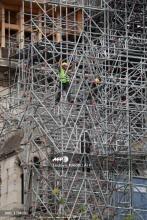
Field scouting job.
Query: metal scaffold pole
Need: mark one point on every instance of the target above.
(81, 85)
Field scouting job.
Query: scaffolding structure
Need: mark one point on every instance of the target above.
(80, 157)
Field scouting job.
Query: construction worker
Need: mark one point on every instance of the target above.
(64, 82)
(94, 89)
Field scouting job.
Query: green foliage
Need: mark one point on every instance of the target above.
(129, 217)
(82, 209)
(56, 191)
(95, 217)
(62, 201)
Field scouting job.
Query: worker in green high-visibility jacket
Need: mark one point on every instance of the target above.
(64, 82)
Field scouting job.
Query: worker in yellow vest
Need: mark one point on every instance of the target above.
(64, 82)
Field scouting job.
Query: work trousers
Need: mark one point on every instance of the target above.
(62, 87)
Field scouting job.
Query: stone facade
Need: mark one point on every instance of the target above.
(11, 177)
(11, 185)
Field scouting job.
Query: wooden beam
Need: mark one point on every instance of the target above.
(79, 19)
(3, 42)
(40, 25)
(21, 26)
(12, 26)
(59, 29)
(11, 7)
(17, 8)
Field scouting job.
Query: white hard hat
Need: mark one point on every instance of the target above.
(64, 64)
(97, 81)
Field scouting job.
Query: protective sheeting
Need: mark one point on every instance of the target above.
(127, 194)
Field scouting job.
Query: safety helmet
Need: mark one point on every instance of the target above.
(97, 80)
(65, 64)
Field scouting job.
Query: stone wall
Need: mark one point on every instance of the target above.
(10, 196)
